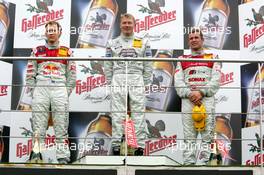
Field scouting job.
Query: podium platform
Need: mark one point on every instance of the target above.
(128, 160)
(138, 166)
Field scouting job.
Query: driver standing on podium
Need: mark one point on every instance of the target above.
(51, 83)
(138, 75)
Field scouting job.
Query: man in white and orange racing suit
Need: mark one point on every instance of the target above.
(51, 82)
(197, 83)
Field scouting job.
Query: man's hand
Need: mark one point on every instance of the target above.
(195, 97)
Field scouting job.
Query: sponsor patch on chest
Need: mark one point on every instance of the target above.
(137, 43)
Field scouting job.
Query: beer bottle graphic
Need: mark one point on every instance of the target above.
(130, 150)
(97, 140)
(253, 109)
(224, 136)
(163, 79)
(4, 24)
(98, 24)
(213, 22)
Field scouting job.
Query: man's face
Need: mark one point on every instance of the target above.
(195, 41)
(52, 33)
(127, 26)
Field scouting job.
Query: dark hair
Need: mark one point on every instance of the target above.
(54, 23)
(197, 30)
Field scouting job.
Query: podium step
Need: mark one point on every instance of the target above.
(129, 160)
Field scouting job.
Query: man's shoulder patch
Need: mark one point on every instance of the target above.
(208, 56)
(39, 49)
(64, 51)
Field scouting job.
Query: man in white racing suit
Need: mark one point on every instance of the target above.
(197, 83)
(135, 74)
(51, 82)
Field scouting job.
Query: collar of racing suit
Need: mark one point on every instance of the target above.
(199, 52)
(51, 47)
(127, 37)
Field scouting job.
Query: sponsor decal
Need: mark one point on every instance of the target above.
(226, 78)
(251, 38)
(160, 144)
(256, 160)
(152, 21)
(40, 19)
(24, 149)
(98, 23)
(3, 90)
(89, 84)
(258, 31)
(96, 78)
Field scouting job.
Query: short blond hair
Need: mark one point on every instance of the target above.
(129, 16)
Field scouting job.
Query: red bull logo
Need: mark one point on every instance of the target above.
(51, 67)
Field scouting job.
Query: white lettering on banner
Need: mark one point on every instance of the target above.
(153, 21)
(3, 90)
(255, 34)
(38, 20)
(90, 84)
(158, 145)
